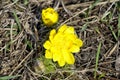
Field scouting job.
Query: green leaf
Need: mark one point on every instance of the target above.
(49, 65)
(8, 77)
(26, 2)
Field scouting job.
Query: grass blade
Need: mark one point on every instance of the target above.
(8, 77)
(94, 4)
(84, 27)
(118, 25)
(116, 38)
(97, 58)
(17, 20)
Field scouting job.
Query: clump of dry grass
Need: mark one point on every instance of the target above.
(22, 34)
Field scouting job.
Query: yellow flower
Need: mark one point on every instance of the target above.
(49, 16)
(62, 44)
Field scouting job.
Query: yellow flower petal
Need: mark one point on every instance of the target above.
(71, 37)
(55, 54)
(68, 44)
(55, 57)
(61, 62)
(69, 58)
(48, 54)
(70, 30)
(79, 42)
(52, 34)
(47, 45)
(62, 28)
(74, 49)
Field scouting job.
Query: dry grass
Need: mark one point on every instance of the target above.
(22, 34)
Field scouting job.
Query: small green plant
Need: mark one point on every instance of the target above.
(62, 44)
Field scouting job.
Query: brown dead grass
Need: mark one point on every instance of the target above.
(19, 49)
